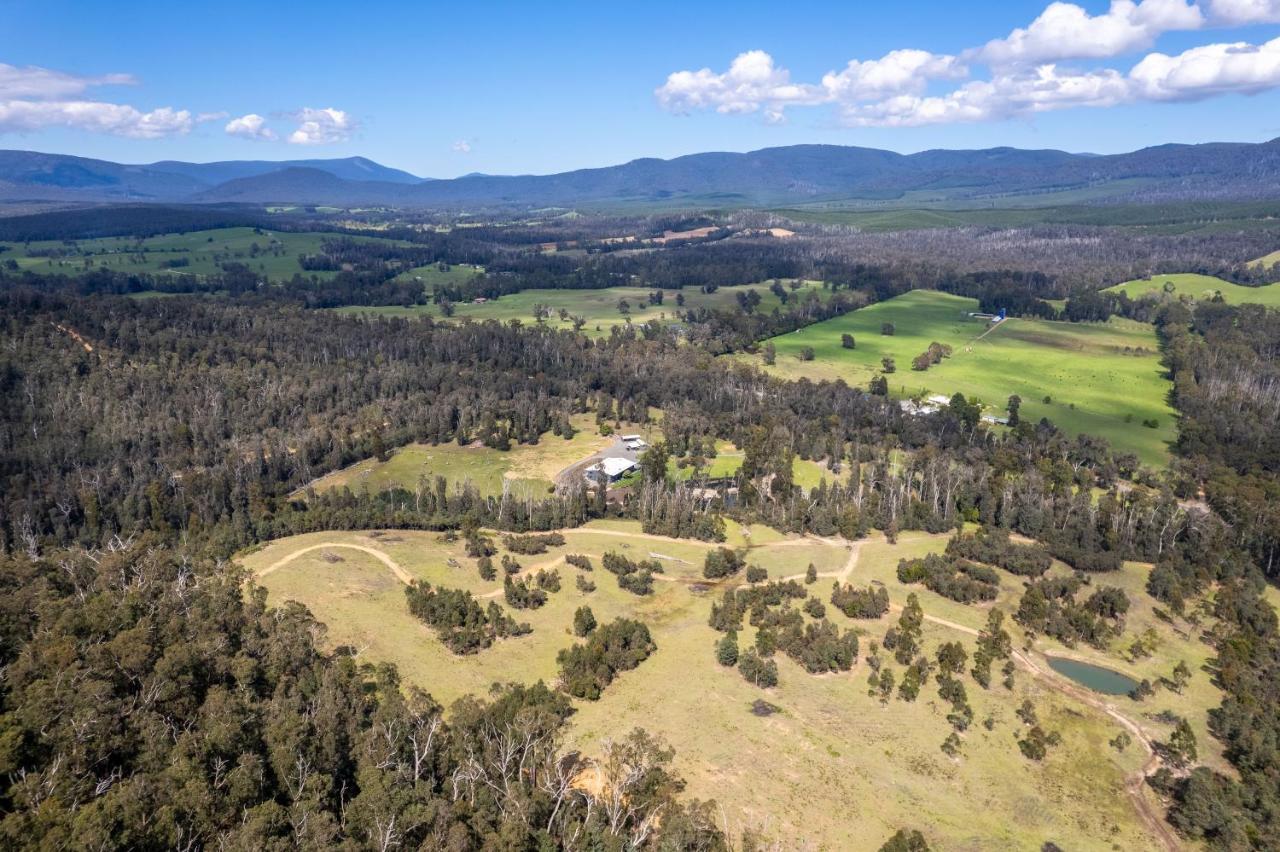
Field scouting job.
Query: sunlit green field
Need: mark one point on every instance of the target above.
(1178, 639)
(1268, 260)
(273, 254)
(526, 470)
(728, 460)
(432, 275)
(831, 768)
(1198, 286)
(1101, 378)
(600, 308)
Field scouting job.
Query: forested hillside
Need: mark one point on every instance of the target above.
(770, 176)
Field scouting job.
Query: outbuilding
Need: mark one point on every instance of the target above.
(609, 470)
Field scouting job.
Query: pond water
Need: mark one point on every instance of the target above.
(1097, 678)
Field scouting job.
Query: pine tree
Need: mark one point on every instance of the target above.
(584, 621)
(727, 649)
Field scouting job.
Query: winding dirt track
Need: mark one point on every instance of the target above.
(1135, 784)
(402, 575)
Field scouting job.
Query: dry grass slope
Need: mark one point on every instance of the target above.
(832, 768)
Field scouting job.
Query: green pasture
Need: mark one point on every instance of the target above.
(728, 459)
(434, 274)
(526, 470)
(1100, 378)
(1195, 286)
(600, 308)
(273, 254)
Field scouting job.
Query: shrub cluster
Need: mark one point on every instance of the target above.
(992, 546)
(1092, 559)
(727, 615)
(759, 670)
(532, 544)
(871, 602)
(479, 545)
(619, 646)
(820, 647)
(722, 562)
(1049, 606)
(463, 626)
(956, 579)
(634, 577)
(933, 355)
(521, 595)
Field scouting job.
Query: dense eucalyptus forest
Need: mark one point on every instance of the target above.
(147, 702)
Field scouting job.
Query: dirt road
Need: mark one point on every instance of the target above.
(401, 574)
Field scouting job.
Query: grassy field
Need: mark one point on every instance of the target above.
(807, 474)
(432, 275)
(598, 307)
(1268, 260)
(275, 256)
(832, 768)
(1197, 286)
(1101, 378)
(933, 209)
(1178, 638)
(525, 469)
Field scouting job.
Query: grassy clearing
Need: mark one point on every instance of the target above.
(527, 470)
(1268, 260)
(1195, 286)
(1178, 638)
(1101, 378)
(807, 474)
(832, 768)
(432, 275)
(934, 209)
(273, 254)
(598, 307)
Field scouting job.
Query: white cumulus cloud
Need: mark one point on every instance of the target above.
(896, 72)
(1212, 69)
(1051, 64)
(1003, 96)
(1067, 31)
(34, 98)
(44, 83)
(251, 126)
(1238, 12)
(462, 146)
(94, 116)
(752, 83)
(322, 126)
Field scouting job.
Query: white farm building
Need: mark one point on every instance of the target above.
(609, 470)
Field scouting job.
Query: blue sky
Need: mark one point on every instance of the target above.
(445, 89)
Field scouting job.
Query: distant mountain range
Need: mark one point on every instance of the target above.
(797, 174)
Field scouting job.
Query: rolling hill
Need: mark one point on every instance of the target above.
(798, 174)
(30, 175)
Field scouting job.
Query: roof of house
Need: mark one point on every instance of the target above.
(612, 466)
